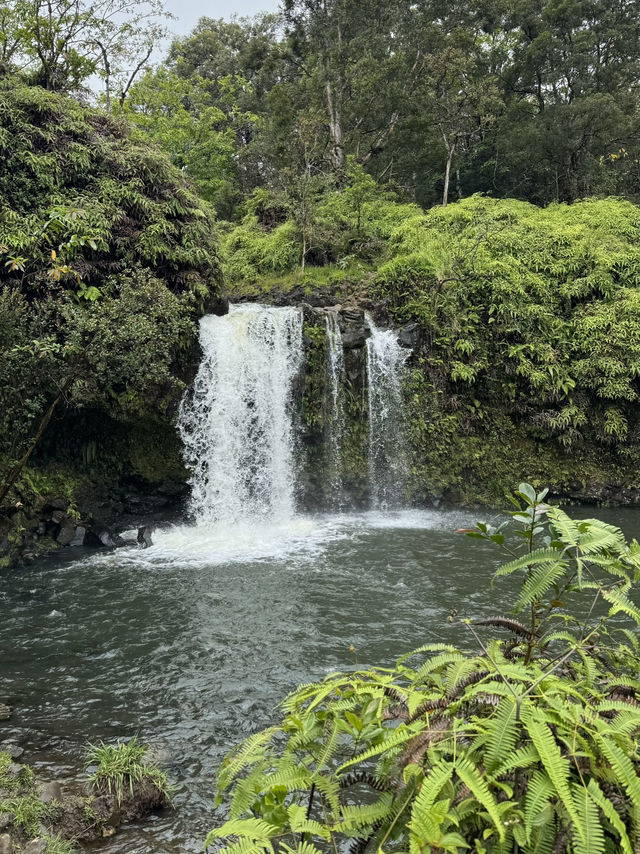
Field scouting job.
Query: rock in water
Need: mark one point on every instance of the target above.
(5, 712)
(144, 537)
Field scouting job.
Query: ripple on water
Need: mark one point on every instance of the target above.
(191, 644)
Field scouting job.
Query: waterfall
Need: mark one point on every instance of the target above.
(388, 459)
(237, 424)
(334, 406)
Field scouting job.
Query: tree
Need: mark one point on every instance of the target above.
(63, 42)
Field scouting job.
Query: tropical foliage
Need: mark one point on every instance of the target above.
(525, 742)
(107, 257)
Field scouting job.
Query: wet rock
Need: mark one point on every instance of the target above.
(13, 750)
(57, 504)
(42, 529)
(106, 539)
(218, 305)
(409, 336)
(5, 844)
(78, 536)
(5, 712)
(50, 792)
(66, 535)
(36, 846)
(58, 516)
(144, 537)
(13, 771)
(352, 315)
(354, 339)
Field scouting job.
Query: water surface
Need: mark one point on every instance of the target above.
(192, 643)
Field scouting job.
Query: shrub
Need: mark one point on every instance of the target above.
(527, 743)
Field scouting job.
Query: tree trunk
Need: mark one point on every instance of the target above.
(447, 175)
(14, 473)
(336, 155)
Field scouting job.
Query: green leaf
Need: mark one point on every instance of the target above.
(472, 778)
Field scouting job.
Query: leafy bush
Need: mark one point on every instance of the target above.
(107, 257)
(523, 744)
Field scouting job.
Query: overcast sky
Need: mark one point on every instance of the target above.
(187, 12)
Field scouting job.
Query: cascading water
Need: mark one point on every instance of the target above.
(237, 425)
(334, 406)
(388, 459)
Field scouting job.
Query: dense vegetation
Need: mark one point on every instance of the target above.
(108, 257)
(523, 744)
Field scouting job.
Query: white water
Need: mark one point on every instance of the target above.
(237, 425)
(388, 467)
(334, 406)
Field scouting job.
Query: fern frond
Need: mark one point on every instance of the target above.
(247, 753)
(556, 766)
(473, 779)
(591, 840)
(357, 816)
(566, 529)
(252, 829)
(611, 814)
(506, 623)
(523, 757)
(437, 663)
(537, 557)
(539, 582)
(540, 790)
(501, 734)
(397, 737)
(299, 822)
(621, 603)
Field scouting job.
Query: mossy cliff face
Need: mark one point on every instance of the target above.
(524, 325)
(330, 480)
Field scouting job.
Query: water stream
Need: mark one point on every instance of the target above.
(237, 425)
(388, 461)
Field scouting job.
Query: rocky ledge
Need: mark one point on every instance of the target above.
(37, 817)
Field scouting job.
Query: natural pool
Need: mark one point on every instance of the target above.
(192, 643)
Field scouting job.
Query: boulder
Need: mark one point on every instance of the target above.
(58, 516)
(78, 537)
(144, 537)
(354, 339)
(50, 792)
(5, 820)
(56, 504)
(36, 846)
(67, 533)
(5, 844)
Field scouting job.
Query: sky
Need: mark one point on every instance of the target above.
(188, 12)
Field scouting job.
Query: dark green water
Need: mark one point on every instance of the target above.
(192, 643)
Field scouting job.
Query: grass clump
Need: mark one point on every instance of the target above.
(121, 766)
(28, 812)
(57, 845)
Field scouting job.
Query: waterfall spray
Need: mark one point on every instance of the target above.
(237, 425)
(388, 458)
